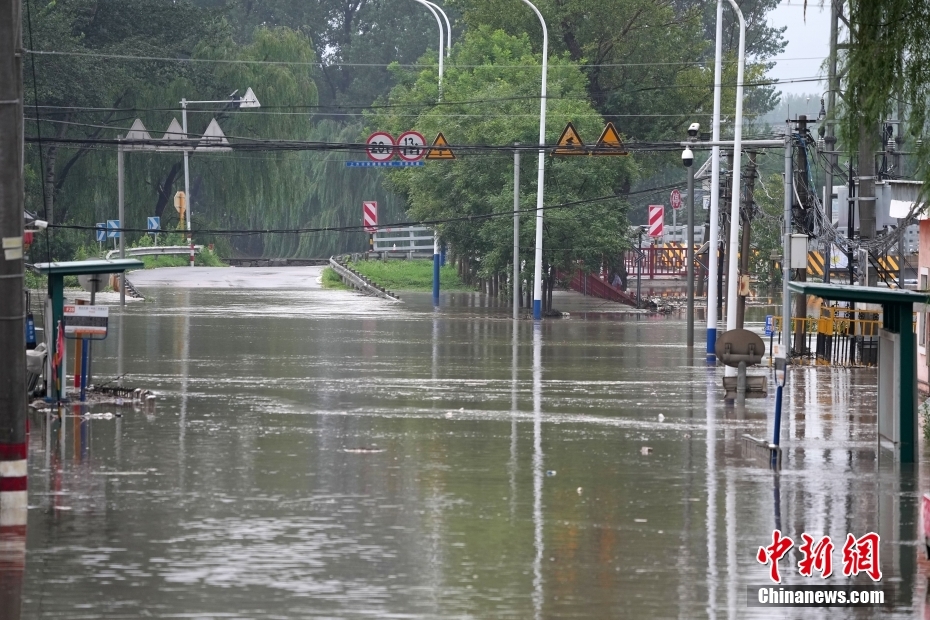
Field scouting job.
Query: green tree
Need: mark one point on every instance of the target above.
(491, 97)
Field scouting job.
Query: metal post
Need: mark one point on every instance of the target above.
(516, 233)
(830, 138)
(786, 247)
(690, 256)
(639, 271)
(121, 196)
(541, 170)
(13, 470)
(714, 239)
(436, 269)
(187, 181)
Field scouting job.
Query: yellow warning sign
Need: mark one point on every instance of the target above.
(609, 143)
(440, 149)
(569, 143)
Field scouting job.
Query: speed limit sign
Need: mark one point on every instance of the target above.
(675, 199)
(380, 146)
(411, 146)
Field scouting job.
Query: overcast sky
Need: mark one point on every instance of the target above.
(808, 44)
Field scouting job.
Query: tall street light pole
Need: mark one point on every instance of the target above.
(714, 241)
(687, 158)
(247, 101)
(541, 172)
(430, 7)
(448, 27)
(733, 274)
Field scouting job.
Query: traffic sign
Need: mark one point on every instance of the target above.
(411, 146)
(101, 230)
(656, 220)
(380, 146)
(113, 231)
(153, 223)
(675, 199)
(443, 151)
(609, 143)
(769, 325)
(569, 142)
(370, 216)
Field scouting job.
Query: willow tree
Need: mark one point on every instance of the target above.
(490, 100)
(888, 61)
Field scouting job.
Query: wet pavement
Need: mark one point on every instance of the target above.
(320, 454)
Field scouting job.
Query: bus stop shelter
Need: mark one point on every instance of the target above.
(56, 273)
(897, 358)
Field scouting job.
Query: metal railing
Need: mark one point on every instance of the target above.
(837, 337)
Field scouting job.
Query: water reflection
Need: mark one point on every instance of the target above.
(368, 463)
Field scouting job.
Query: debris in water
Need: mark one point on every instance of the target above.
(645, 450)
(661, 418)
(580, 490)
(641, 520)
(364, 450)
(550, 472)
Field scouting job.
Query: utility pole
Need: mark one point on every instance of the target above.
(13, 469)
(803, 192)
(745, 249)
(833, 87)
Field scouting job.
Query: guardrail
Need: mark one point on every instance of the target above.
(156, 250)
(408, 240)
(360, 282)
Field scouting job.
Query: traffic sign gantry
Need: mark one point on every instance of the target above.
(675, 199)
(656, 220)
(370, 216)
(380, 146)
(411, 146)
(440, 149)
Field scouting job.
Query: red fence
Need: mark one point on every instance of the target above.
(590, 284)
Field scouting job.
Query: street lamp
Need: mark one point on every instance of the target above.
(541, 173)
(733, 275)
(432, 8)
(249, 100)
(714, 241)
(448, 27)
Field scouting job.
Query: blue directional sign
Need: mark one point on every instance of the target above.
(101, 230)
(113, 229)
(383, 164)
(154, 223)
(769, 325)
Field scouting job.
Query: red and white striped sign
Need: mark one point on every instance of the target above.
(656, 220)
(370, 216)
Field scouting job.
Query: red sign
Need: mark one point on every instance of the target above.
(675, 199)
(380, 146)
(370, 216)
(656, 220)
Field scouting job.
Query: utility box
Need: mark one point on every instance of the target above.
(799, 251)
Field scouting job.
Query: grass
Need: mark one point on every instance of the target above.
(409, 275)
(332, 280)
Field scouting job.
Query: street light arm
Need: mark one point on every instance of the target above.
(448, 27)
(442, 36)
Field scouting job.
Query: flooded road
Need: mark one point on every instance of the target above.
(320, 454)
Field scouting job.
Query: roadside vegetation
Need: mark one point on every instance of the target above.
(332, 280)
(410, 275)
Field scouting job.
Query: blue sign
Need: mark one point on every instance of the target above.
(769, 325)
(101, 230)
(113, 229)
(154, 223)
(383, 164)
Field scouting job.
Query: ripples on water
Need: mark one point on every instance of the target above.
(321, 454)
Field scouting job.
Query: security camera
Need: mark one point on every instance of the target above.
(687, 157)
(41, 224)
(693, 129)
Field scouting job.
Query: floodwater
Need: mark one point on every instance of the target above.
(320, 454)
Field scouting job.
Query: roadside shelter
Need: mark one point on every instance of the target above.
(897, 358)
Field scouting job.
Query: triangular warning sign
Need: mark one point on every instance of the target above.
(609, 143)
(569, 142)
(440, 149)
